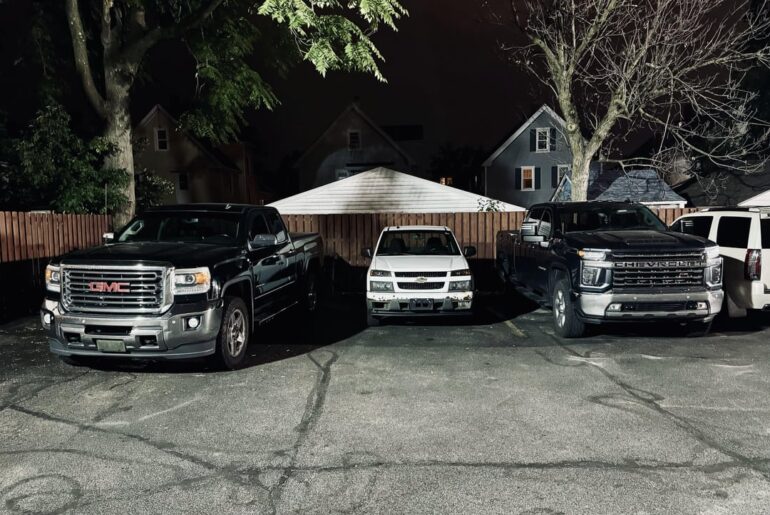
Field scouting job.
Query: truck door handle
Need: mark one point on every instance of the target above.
(272, 260)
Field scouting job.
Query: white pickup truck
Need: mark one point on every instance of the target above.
(418, 270)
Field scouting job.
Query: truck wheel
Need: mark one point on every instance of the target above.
(565, 321)
(310, 293)
(371, 321)
(233, 335)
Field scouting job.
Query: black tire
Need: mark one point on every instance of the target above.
(697, 329)
(565, 320)
(310, 292)
(234, 332)
(372, 321)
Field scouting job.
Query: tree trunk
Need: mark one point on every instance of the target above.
(581, 167)
(118, 132)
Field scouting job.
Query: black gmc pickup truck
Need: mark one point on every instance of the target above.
(596, 262)
(180, 282)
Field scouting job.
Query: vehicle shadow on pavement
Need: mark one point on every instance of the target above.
(291, 334)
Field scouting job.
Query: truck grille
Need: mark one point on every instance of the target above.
(421, 274)
(421, 286)
(660, 270)
(114, 289)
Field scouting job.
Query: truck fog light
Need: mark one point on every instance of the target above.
(615, 307)
(193, 322)
(47, 318)
(701, 305)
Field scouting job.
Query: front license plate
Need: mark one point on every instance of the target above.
(421, 304)
(110, 345)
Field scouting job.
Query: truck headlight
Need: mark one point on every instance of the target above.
(595, 276)
(593, 254)
(379, 273)
(712, 274)
(53, 278)
(461, 273)
(712, 253)
(189, 281)
(460, 285)
(380, 286)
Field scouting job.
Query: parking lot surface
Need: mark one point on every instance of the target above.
(489, 415)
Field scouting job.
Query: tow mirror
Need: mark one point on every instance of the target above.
(263, 240)
(469, 251)
(528, 229)
(533, 239)
(108, 237)
(367, 252)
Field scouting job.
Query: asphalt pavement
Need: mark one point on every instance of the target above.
(489, 415)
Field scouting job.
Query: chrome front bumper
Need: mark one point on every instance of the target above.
(595, 305)
(150, 337)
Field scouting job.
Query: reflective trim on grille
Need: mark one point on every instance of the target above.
(421, 274)
(115, 289)
(669, 269)
(421, 286)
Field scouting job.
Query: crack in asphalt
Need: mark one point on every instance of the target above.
(652, 400)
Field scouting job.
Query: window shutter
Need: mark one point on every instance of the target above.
(554, 177)
(517, 179)
(532, 140)
(537, 178)
(552, 143)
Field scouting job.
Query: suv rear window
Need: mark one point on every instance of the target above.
(695, 225)
(765, 224)
(734, 232)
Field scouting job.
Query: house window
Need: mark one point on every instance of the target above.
(183, 184)
(161, 139)
(563, 170)
(446, 181)
(354, 140)
(543, 140)
(527, 178)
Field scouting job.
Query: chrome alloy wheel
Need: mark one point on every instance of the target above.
(560, 308)
(236, 333)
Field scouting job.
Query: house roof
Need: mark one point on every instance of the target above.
(725, 188)
(382, 190)
(213, 154)
(615, 185)
(353, 107)
(761, 200)
(544, 109)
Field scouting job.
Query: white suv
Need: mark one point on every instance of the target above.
(418, 270)
(743, 236)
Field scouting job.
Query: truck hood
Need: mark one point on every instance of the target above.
(622, 240)
(180, 255)
(419, 263)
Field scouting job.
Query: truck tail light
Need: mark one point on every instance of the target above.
(752, 266)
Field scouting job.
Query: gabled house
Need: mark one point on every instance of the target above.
(385, 191)
(530, 164)
(616, 185)
(353, 143)
(199, 172)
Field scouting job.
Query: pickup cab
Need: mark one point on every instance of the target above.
(599, 262)
(418, 270)
(178, 282)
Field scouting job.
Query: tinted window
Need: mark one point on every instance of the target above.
(275, 225)
(417, 243)
(734, 232)
(600, 217)
(696, 225)
(545, 226)
(258, 226)
(765, 233)
(185, 227)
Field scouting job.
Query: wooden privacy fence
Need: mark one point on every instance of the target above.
(42, 235)
(345, 235)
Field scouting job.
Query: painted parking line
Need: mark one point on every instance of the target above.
(515, 330)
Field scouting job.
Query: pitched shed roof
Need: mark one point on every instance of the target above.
(382, 190)
(725, 188)
(520, 130)
(616, 185)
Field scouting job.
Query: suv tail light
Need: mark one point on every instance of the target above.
(752, 266)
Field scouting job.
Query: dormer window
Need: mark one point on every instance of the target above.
(354, 140)
(543, 140)
(161, 139)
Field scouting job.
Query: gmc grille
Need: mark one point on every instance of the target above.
(114, 289)
(660, 270)
(421, 274)
(421, 286)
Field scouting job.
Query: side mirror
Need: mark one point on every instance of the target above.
(533, 239)
(469, 251)
(528, 229)
(367, 252)
(108, 237)
(263, 240)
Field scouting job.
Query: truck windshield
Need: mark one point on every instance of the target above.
(608, 218)
(214, 228)
(418, 243)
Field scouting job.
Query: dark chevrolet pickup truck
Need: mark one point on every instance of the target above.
(180, 282)
(596, 262)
